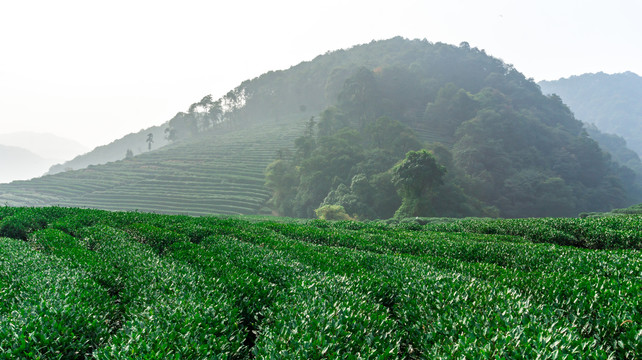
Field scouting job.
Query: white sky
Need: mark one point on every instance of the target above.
(94, 71)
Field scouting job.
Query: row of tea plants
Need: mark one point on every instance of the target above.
(79, 284)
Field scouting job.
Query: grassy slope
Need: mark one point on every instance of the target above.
(219, 172)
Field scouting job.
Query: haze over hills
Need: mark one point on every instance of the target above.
(26, 155)
(610, 101)
(20, 164)
(45, 145)
(506, 149)
(116, 150)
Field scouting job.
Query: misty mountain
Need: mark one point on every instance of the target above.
(501, 146)
(45, 145)
(116, 150)
(617, 147)
(339, 123)
(20, 164)
(610, 101)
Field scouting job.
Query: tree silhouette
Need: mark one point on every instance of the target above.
(150, 140)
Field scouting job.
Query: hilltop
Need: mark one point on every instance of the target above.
(506, 148)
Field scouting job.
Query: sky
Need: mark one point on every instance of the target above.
(94, 71)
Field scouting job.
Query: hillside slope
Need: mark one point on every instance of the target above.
(610, 101)
(508, 149)
(217, 172)
(116, 150)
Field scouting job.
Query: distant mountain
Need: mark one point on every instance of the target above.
(617, 147)
(45, 145)
(338, 123)
(613, 102)
(116, 150)
(20, 164)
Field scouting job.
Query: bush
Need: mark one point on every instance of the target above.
(332, 212)
(20, 226)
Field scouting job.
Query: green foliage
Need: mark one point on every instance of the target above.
(632, 210)
(608, 232)
(332, 212)
(414, 178)
(171, 307)
(15, 227)
(610, 101)
(25, 221)
(449, 110)
(157, 238)
(345, 167)
(282, 179)
(509, 150)
(50, 309)
(135, 285)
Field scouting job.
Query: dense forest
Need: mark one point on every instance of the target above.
(440, 130)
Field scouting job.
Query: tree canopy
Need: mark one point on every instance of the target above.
(496, 146)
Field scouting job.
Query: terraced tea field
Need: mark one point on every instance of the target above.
(80, 284)
(220, 172)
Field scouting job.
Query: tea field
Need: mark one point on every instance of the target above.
(85, 284)
(217, 172)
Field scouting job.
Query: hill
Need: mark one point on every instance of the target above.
(617, 147)
(506, 148)
(18, 163)
(45, 145)
(134, 285)
(220, 172)
(610, 101)
(116, 150)
(499, 146)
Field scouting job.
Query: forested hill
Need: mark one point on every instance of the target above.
(505, 148)
(610, 101)
(337, 126)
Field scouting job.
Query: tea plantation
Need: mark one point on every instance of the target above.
(78, 284)
(217, 172)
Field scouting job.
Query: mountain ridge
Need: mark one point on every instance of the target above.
(610, 101)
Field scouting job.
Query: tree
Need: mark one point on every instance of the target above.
(450, 109)
(359, 97)
(282, 179)
(150, 140)
(129, 154)
(392, 136)
(170, 134)
(414, 178)
(332, 212)
(309, 127)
